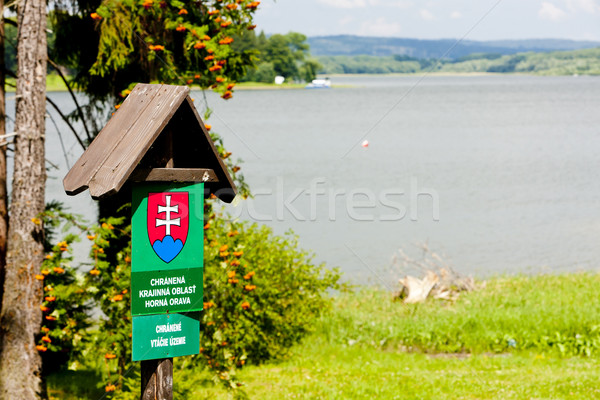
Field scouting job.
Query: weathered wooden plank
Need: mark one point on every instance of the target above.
(174, 175)
(225, 189)
(108, 139)
(120, 163)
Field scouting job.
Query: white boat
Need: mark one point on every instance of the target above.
(319, 84)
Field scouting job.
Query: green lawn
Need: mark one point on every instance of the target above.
(513, 338)
(54, 83)
(343, 372)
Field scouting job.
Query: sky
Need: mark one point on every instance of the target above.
(434, 19)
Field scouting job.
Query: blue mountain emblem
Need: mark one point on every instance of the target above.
(167, 249)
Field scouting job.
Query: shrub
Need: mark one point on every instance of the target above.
(261, 292)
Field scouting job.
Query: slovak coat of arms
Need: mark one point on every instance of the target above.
(168, 223)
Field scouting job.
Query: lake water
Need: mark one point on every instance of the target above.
(499, 174)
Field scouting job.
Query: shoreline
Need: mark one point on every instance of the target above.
(55, 84)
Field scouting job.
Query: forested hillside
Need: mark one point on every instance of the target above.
(582, 62)
(347, 45)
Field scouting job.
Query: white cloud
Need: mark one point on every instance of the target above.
(345, 3)
(550, 12)
(403, 4)
(589, 6)
(426, 15)
(455, 15)
(346, 20)
(379, 27)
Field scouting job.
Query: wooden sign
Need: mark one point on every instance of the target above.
(157, 140)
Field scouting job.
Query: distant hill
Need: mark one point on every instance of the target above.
(348, 45)
(572, 62)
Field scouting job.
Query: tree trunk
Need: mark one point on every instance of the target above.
(3, 194)
(20, 319)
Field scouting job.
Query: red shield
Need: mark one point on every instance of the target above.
(168, 222)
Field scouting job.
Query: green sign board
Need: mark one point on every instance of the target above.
(165, 336)
(167, 247)
(155, 292)
(166, 269)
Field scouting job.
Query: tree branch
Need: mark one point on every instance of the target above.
(63, 116)
(79, 110)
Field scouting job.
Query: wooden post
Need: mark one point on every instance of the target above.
(157, 375)
(157, 379)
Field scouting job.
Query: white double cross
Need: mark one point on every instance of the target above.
(168, 209)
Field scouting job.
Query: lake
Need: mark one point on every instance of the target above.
(497, 174)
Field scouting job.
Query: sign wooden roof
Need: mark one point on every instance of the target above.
(156, 134)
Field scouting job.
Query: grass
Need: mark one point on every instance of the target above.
(516, 338)
(54, 83)
(549, 313)
(340, 372)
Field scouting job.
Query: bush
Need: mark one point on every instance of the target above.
(262, 294)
